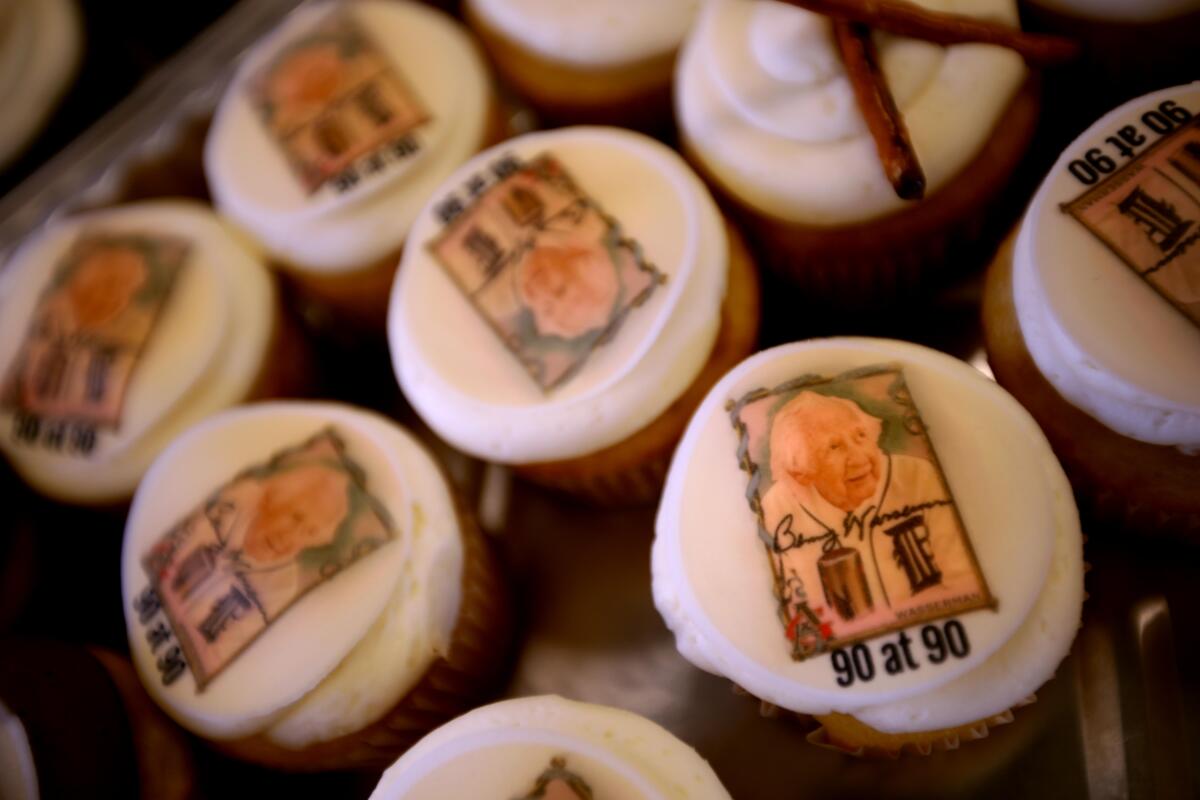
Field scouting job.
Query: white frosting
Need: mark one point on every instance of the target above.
(712, 581)
(763, 101)
(590, 33)
(18, 776)
(474, 392)
(1099, 333)
(254, 185)
(204, 354)
(1122, 10)
(40, 45)
(347, 651)
(501, 749)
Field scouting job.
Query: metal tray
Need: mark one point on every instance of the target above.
(1116, 721)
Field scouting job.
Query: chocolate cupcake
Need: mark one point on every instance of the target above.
(866, 165)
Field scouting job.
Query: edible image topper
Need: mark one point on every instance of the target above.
(559, 783)
(1148, 213)
(860, 529)
(90, 327)
(549, 271)
(258, 544)
(336, 106)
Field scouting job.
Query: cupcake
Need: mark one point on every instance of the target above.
(120, 328)
(585, 61)
(302, 591)
(873, 534)
(553, 749)
(569, 298)
(40, 46)
(75, 723)
(767, 112)
(1130, 46)
(336, 130)
(1092, 313)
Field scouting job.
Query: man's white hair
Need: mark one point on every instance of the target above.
(790, 456)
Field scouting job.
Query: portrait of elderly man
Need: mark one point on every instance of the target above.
(836, 492)
(569, 288)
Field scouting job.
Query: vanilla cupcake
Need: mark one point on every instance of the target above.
(874, 534)
(336, 130)
(768, 115)
(594, 61)
(40, 45)
(568, 299)
(302, 591)
(120, 328)
(1092, 313)
(551, 748)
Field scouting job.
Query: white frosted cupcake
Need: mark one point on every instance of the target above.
(119, 329)
(768, 114)
(40, 46)
(568, 298)
(1092, 313)
(584, 61)
(550, 748)
(335, 132)
(874, 534)
(301, 590)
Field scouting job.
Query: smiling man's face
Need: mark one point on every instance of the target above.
(846, 461)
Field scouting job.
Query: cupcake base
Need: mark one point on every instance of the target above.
(632, 471)
(845, 734)
(924, 246)
(633, 95)
(1120, 482)
(470, 673)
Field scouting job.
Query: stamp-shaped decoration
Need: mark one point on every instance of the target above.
(1148, 213)
(549, 271)
(258, 544)
(559, 783)
(333, 102)
(857, 520)
(91, 325)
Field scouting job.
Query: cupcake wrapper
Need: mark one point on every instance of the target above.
(922, 744)
(473, 670)
(639, 485)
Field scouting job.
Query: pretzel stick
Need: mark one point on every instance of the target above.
(879, 109)
(907, 19)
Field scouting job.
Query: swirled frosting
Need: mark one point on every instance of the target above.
(764, 103)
